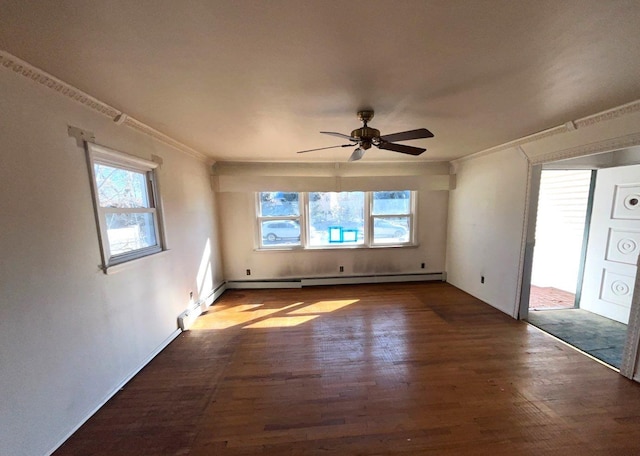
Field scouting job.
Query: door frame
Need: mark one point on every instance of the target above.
(585, 236)
(631, 354)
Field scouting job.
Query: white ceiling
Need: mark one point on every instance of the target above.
(257, 80)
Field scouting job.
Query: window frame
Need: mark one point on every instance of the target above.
(369, 218)
(410, 215)
(338, 245)
(259, 240)
(97, 154)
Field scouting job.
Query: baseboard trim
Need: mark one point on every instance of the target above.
(214, 295)
(195, 309)
(381, 278)
(337, 280)
(126, 380)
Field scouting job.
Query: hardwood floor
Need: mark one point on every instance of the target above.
(418, 368)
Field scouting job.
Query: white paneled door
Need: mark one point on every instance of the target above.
(614, 243)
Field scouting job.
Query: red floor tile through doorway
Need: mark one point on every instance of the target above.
(543, 298)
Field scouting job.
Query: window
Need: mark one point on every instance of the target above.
(279, 219)
(392, 217)
(335, 219)
(126, 204)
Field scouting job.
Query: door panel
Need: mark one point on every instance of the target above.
(623, 246)
(627, 202)
(614, 243)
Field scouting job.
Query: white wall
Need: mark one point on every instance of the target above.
(486, 211)
(238, 225)
(69, 334)
(485, 226)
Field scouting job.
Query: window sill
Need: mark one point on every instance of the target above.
(109, 270)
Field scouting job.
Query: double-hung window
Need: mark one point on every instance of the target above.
(391, 217)
(126, 202)
(279, 219)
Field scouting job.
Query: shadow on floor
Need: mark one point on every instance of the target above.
(601, 337)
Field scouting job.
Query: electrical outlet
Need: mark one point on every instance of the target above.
(341, 268)
(248, 271)
(422, 266)
(481, 279)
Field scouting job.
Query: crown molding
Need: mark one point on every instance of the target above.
(584, 122)
(608, 145)
(610, 114)
(25, 69)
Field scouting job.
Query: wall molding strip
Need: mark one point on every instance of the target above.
(604, 116)
(629, 366)
(25, 69)
(523, 239)
(608, 145)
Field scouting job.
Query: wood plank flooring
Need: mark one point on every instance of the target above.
(403, 369)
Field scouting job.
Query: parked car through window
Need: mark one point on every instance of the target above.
(280, 230)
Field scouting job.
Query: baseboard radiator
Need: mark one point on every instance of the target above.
(338, 280)
(195, 308)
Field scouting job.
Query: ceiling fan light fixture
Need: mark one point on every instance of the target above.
(357, 154)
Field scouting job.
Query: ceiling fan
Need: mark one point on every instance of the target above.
(365, 137)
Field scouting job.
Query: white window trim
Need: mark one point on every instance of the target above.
(411, 241)
(303, 202)
(104, 155)
(301, 219)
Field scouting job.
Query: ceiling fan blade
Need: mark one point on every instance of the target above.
(339, 135)
(401, 148)
(356, 155)
(407, 135)
(323, 148)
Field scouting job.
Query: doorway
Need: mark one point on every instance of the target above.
(563, 204)
(587, 239)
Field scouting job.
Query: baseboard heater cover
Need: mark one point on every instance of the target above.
(338, 280)
(196, 308)
(257, 284)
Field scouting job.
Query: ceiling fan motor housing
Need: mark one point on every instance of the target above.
(366, 136)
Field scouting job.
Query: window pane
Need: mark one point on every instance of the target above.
(280, 232)
(391, 203)
(127, 232)
(336, 218)
(390, 230)
(120, 187)
(278, 204)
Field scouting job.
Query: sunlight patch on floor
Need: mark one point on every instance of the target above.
(281, 322)
(236, 315)
(267, 315)
(324, 306)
